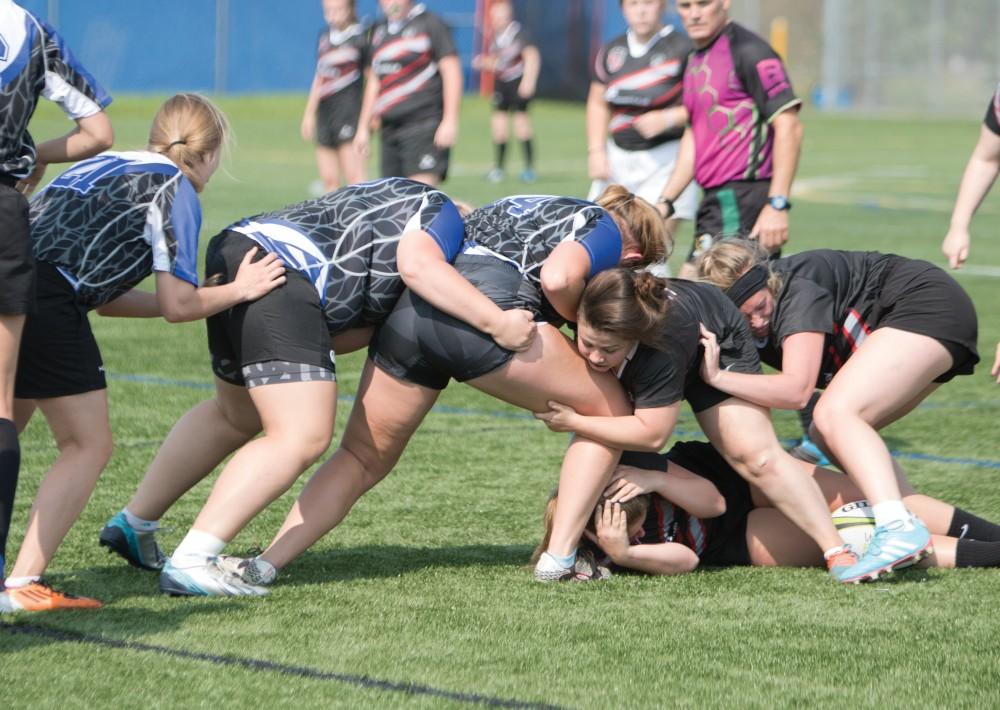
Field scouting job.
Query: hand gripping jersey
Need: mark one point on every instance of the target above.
(109, 221)
(340, 57)
(733, 89)
(992, 118)
(34, 62)
(345, 243)
(662, 375)
(640, 79)
(522, 231)
(404, 58)
(507, 50)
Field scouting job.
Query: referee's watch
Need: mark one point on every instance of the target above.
(779, 202)
(668, 204)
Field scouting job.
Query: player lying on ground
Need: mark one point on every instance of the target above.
(644, 330)
(521, 252)
(878, 332)
(671, 513)
(99, 229)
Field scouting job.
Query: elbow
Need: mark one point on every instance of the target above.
(717, 509)
(802, 398)
(554, 283)
(172, 313)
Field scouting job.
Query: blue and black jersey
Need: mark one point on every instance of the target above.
(108, 222)
(35, 62)
(345, 243)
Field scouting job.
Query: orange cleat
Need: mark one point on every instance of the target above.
(38, 596)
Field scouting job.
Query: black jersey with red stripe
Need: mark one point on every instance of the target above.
(826, 291)
(404, 58)
(638, 79)
(340, 57)
(507, 50)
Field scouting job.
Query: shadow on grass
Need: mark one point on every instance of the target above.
(378, 561)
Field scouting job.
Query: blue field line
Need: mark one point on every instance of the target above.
(678, 433)
(258, 665)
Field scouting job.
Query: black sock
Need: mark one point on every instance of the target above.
(501, 154)
(529, 153)
(806, 413)
(975, 553)
(10, 462)
(971, 527)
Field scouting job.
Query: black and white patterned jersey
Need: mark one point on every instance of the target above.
(345, 243)
(507, 50)
(404, 59)
(35, 62)
(523, 230)
(641, 78)
(992, 118)
(108, 222)
(341, 56)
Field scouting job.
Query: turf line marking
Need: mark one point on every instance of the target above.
(254, 664)
(461, 411)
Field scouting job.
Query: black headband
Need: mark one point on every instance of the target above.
(752, 281)
(176, 143)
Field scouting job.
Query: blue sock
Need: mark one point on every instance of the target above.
(566, 561)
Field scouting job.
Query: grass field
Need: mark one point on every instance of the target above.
(423, 597)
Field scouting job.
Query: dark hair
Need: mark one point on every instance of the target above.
(627, 304)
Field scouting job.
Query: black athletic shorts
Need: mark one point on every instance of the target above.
(506, 98)
(337, 118)
(425, 346)
(919, 297)
(727, 534)
(17, 267)
(408, 149)
(59, 355)
(728, 211)
(287, 324)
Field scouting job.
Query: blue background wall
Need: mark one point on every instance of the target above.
(248, 46)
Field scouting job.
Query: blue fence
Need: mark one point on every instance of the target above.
(251, 46)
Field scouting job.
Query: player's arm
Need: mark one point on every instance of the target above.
(610, 524)
(995, 371)
(682, 175)
(363, 134)
(532, 68)
(646, 429)
(351, 340)
(771, 228)
(563, 277)
(692, 492)
(134, 303)
(182, 301)
(979, 176)
(91, 135)
(450, 69)
(802, 356)
(308, 128)
(425, 270)
(598, 116)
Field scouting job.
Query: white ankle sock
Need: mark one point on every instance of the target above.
(552, 563)
(140, 524)
(890, 511)
(18, 582)
(197, 547)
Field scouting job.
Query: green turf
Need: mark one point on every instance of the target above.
(427, 582)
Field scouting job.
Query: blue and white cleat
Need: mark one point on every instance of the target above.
(206, 579)
(806, 450)
(137, 547)
(894, 546)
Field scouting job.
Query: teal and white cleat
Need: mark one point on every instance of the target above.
(206, 579)
(894, 546)
(138, 548)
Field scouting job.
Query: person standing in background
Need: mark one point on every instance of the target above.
(413, 91)
(635, 115)
(515, 62)
(331, 115)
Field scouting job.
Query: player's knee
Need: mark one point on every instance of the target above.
(827, 413)
(757, 464)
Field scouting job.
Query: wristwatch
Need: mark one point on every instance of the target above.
(779, 202)
(669, 204)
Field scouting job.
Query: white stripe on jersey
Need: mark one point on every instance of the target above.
(75, 103)
(643, 78)
(405, 45)
(398, 93)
